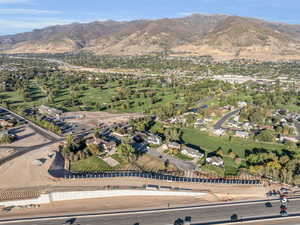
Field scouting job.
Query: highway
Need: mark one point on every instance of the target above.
(209, 214)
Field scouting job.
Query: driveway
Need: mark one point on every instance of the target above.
(181, 164)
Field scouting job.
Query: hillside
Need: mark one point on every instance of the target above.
(222, 36)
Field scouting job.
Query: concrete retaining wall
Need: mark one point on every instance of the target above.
(43, 199)
(76, 195)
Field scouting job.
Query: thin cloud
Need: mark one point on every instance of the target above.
(32, 24)
(201, 13)
(28, 11)
(14, 1)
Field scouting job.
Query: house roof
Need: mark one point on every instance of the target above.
(214, 159)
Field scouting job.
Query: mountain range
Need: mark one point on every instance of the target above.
(221, 36)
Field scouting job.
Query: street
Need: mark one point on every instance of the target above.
(210, 214)
(219, 124)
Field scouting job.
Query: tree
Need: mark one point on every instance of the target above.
(173, 134)
(265, 136)
(71, 142)
(94, 149)
(167, 163)
(127, 152)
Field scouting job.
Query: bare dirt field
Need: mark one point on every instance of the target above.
(25, 170)
(26, 137)
(94, 118)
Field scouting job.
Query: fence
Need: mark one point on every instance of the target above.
(158, 176)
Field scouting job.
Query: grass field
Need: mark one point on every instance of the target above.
(90, 96)
(90, 164)
(212, 143)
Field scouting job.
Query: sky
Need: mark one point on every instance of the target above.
(25, 15)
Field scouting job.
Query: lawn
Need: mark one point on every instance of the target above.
(212, 143)
(90, 164)
(90, 96)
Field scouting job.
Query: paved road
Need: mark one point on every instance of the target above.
(219, 124)
(213, 214)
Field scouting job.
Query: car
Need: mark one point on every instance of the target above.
(187, 220)
(234, 217)
(268, 204)
(69, 221)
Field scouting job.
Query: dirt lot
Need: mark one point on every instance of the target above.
(26, 137)
(94, 118)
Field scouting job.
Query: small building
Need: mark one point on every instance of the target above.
(199, 122)
(286, 138)
(46, 110)
(174, 145)
(192, 153)
(242, 104)
(155, 140)
(215, 161)
(108, 146)
(247, 126)
(219, 132)
(241, 134)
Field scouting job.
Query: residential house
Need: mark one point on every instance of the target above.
(241, 134)
(247, 126)
(192, 153)
(219, 132)
(174, 145)
(199, 122)
(155, 140)
(242, 104)
(286, 138)
(107, 146)
(215, 161)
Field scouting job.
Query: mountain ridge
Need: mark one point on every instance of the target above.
(221, 36)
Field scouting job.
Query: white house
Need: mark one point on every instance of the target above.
(193, 153)
(242, 104)
(155, 140)
(247, 126)
(174, 145)
(215, 161)
(219, 132)
(241, 134)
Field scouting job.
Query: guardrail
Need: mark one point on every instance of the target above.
(158, 176)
